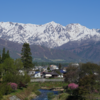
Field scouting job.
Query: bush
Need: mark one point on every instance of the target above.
(20, 80)
(21, 85)
(26, 99)
(72, 86)
(37, 92)
(26, 79)
(1, 95)
(72, 89)
(13, 86)
(75, 98)
(5, 89)
(50, 95)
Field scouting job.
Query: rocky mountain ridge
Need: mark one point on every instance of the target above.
(50, 34)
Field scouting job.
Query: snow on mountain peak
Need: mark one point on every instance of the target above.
(50, 34)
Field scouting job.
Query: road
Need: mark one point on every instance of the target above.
(46, 80)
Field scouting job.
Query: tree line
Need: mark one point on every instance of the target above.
(4, 55)
(87, 79)
(10, 76)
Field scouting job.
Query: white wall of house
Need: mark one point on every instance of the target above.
(60, 76)
(48, 75)
(37, 75)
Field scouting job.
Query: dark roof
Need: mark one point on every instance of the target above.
(52, 73)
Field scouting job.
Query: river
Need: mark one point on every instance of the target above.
(44, 93)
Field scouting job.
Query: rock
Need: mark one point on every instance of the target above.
(14, 98)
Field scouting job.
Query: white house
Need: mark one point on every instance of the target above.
(53, 67)
(46, 74)
(49, 74)
(62, 72)
(36, 68)
(31, 72)
(45, 68)
(37, 74)
(75, 64)
(21, 72)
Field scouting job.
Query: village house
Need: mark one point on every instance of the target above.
(21, 72)
(53, 67)
(31, 72)
(62, 73)
(49, 74)
(75, 64)
(36, 68)
(37, 74)
(45, 68)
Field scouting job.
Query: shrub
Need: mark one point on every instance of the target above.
(26, 79)
(50, 95)
(13, 86)
(26, 99)
(95, 91)
(37, 92)
(5, 89)
(21, 85)
(1, 95)
(73, 86)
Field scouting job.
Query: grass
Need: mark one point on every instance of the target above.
(93, 96)
(17, 91)
(62, 96)
(30, 92)
(50, 85)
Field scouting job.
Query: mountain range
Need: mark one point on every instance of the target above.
(52, 40)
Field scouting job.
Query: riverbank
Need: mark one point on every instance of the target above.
(32, 92)
(23, 94)
(46, 94)
(62, 96)
(20, 96)
(54, 89)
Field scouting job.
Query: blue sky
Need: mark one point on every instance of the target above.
(64, 12)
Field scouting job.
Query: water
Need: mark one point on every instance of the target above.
(44, 93)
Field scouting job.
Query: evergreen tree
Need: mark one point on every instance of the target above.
(48, 68)
(0, 59)
(7, 54)
(60, 66)
(26, 56)
(3, 55)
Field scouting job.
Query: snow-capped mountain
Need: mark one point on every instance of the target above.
(50, 34)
